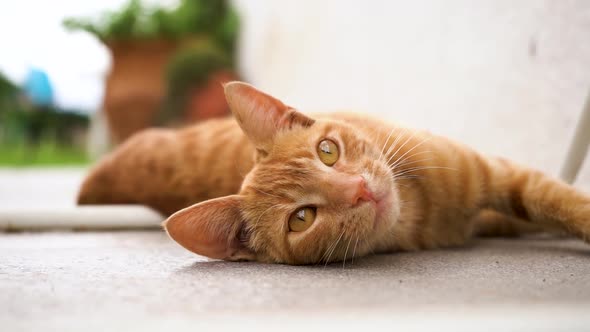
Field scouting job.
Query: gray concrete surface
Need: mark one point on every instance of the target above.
(144, 281)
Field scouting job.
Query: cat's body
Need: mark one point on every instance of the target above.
(169, 169)
(391, 188)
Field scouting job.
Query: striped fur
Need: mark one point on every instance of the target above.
(435, 192)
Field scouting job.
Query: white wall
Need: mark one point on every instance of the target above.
(507, 77)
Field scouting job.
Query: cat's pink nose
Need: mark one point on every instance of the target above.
(363, 194)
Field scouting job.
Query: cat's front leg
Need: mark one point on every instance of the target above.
(531, 195)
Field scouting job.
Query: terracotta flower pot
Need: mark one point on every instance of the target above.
(136, 88)
(135, 85)
(208, 100)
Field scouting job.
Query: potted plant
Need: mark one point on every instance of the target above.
(142, 40)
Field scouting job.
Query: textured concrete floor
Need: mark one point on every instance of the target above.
(143, 281)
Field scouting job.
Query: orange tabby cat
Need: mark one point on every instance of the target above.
(279, 186)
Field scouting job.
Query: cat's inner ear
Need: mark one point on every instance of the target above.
(260, 115)
(212, 228)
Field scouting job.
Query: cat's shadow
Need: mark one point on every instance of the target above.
(225, 265)
(406, 260)
(361, 263)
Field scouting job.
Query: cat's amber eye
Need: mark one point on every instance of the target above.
(328, 152)
(301, 219)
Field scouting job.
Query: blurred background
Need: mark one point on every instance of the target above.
(78, 77)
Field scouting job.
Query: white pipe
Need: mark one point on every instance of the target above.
(579, 146)
(104, 217)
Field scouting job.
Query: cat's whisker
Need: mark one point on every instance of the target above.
(392, 146)
(400, 147)
(404, 156)
(410, 150)
(412, 177)
(385, 153)
(409, 177)
(329, 248)
(354, 250)
(409, 161)
(336, 245)
(334, 248)
(409, 158)
(346, 252)
(409, 165)
(385, 143)
(425, 167)
(415, 169)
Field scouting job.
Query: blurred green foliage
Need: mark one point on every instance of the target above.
(6, 86)
(212, 18)
(32, 135)
(32, 125)
(42, 137)
(8, 94)
(47, 153)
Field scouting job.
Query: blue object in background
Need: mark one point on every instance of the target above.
(38, 88)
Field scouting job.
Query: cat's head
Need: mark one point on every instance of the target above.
(319, 191)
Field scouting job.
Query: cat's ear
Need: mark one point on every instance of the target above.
(211, 228)
(260, 115)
